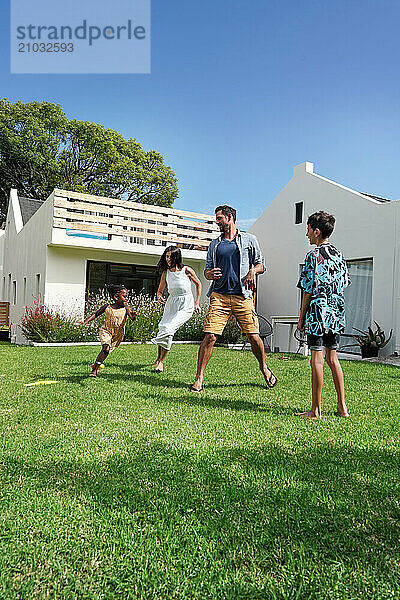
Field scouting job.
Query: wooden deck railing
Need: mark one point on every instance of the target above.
(4, 308)
(139, 223)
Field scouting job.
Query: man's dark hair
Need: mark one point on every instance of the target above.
(322, 221)
(227, 210)
(176, 259)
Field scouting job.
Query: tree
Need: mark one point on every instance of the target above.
(41, 149)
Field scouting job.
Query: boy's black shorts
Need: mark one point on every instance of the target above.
(329, 340)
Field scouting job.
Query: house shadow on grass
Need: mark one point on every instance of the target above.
(296, 516)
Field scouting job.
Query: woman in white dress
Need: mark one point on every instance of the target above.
(180, 304)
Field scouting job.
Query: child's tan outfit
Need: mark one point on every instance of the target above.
(113, 329)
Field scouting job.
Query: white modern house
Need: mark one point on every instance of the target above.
(367, 232)
(60, 250)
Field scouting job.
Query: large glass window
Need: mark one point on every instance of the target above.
(137, 278)
(358, 295)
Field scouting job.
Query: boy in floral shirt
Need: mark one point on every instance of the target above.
(323, 280)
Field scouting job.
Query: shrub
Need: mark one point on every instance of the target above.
(145, 326)
(192, 330)
(44, 324)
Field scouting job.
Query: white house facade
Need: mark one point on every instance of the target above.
(367, 231)
(58, 251)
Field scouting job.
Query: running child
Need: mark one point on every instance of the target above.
(323, 280)
(180, 304)
(112, 331)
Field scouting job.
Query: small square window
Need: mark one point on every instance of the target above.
(299, 213)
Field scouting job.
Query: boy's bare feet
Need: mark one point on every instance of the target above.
(155, 364)
(159, 368)
(339, 413)
(309, 414)
(341, 410)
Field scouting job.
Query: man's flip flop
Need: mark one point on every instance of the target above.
(272, 376)
(193, 389)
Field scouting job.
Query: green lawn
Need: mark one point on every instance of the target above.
(129, 486)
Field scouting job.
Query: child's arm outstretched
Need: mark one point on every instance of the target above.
(132, 314)
(161, 288)
(193, 277)
(94, 315)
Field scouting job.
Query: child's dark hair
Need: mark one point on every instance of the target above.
(115, 288)
(226, 210)
(176, 259)
(322, 221)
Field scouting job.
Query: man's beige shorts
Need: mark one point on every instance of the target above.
(222, 306)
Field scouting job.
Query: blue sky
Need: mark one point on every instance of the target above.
(241, 91)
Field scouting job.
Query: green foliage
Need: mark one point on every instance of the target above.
(145, 326)
(372, 339)
(41, 149)
(193, 329)
(43, 324)
(30, 138)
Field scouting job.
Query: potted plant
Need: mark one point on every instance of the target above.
(371, 341)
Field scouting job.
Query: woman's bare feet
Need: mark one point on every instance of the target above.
(159, 368)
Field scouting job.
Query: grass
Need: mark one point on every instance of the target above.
(131, 487)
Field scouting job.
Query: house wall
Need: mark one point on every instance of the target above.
(365, 228)
(2, 237)
(25, 257)
(66, 273)
(31, 250)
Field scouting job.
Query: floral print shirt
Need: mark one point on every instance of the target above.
(324, 276)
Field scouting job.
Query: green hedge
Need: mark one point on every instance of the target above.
(44, 324)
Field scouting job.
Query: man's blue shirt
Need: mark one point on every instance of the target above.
(228, 260)
(249, 253)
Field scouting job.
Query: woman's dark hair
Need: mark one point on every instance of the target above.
(115, 288)
(322, 221)
(176, 259)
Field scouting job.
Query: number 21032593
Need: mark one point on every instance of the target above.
(46, 47)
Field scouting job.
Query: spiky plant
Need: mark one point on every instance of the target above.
(372, 339)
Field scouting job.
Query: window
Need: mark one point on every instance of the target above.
(3, 295)
(137, 278)
(14, 292)
(37, 287)
(358, 296)
(24, 292)
(9, 288)
(299, 213)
